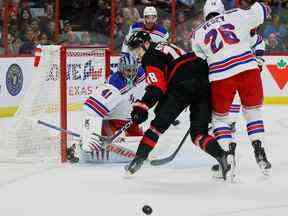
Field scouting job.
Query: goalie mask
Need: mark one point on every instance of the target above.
(128, 66)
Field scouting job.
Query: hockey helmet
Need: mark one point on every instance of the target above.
(137, 39)
(213, 6)
(128, 66)
(150, 17)
(150, 11)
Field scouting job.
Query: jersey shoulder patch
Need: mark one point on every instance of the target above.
(140, 75)
(137, 26)
(117, 80)
(160, 28)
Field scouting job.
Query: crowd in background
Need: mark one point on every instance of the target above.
(88, 22)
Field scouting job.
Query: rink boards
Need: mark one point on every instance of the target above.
(274, 75)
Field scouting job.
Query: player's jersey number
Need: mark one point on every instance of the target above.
(227, 35)
(151, 78)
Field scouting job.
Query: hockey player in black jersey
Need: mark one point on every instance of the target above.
(175, 80)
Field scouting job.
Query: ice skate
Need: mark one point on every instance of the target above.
(71, 154)
(216, 172)
(226, 166)
(134, 165)
(261, 158)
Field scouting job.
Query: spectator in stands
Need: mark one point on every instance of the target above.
(130, 13)
(66, 28)
(85, 39)
(184, 35)
(119, 33)
(43, 39)
(25, 18)
(28, 45)
(101, 20)
(273, 44)
(48, 8)
(159, 3)
(35, 28)
(188, 3)
(167, 25)
(72, 39)
(275, 27)
(48, 27)
(13, 19)
(13, 14)
(286, 43)
(13, 44)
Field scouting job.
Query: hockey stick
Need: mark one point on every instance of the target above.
(108, 141)
(162, 161)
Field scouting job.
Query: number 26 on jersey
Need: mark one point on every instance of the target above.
(227, 35)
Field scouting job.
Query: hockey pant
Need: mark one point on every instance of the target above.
(248, 84)
(109, 127)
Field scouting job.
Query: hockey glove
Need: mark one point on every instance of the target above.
(139, 113)
(260, 62)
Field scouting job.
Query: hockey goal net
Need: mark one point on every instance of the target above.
(60, 83)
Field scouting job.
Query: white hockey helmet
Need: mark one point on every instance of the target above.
(213, 6)
(150, 11)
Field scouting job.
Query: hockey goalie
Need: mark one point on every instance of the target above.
(111, 104)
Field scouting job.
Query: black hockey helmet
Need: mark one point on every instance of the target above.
(137, 39)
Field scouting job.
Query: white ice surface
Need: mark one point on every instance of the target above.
(182, 188)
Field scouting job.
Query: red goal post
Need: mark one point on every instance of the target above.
(65, 53)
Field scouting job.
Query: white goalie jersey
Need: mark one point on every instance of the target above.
(109, 106)
(114, 99)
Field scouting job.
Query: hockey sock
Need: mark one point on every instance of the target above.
(209, 144)
(148, 142)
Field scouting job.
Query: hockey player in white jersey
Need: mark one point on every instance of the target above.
(111, 103)
(258, 48)
(223, 40)
(149, 24)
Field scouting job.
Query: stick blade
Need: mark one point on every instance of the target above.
(159, 162)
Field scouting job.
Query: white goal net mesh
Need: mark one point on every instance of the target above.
(28, 141)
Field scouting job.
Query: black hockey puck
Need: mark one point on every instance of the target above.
(147, 209)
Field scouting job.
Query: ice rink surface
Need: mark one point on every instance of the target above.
(182, 188)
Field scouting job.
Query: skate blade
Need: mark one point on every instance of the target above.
(265, 172)
(217, 174)
(128, 175)
(231, 175)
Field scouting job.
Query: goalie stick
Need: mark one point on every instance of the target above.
(108, 141)
(162, 161)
